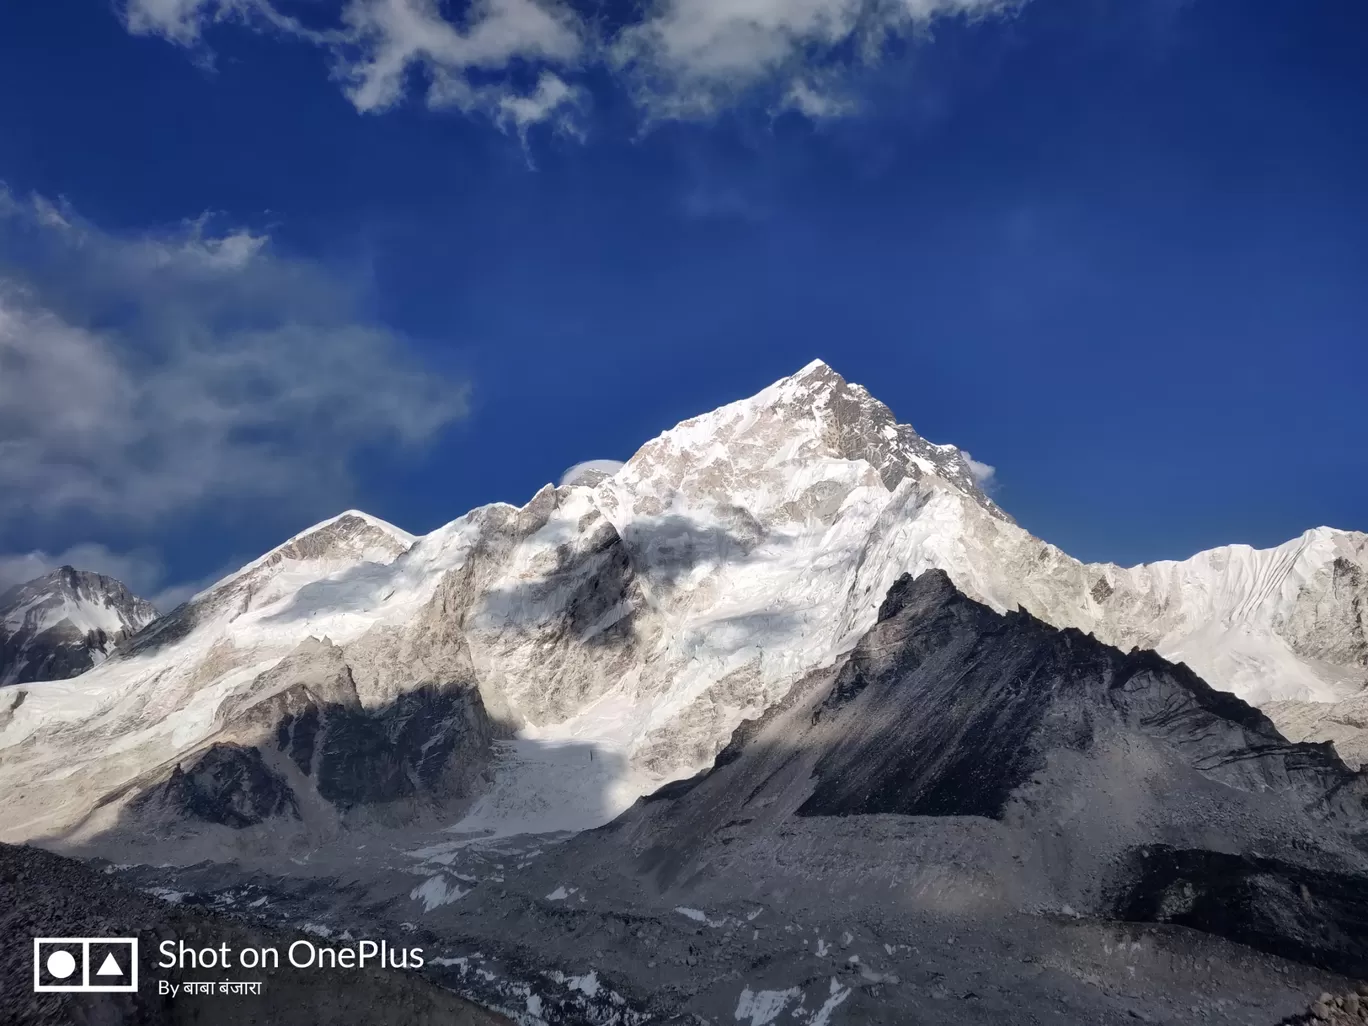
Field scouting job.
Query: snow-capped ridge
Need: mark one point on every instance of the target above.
(626, 627)
(401, 542)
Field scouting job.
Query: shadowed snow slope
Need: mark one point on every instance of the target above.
(636, 621)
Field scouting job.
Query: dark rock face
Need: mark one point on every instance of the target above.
(995, 696)
(62, 624)
(226, 784)
(1300, 913)
(302, 727)
(402, 751)
(296, 735)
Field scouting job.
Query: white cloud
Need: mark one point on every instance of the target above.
(679, 58)
(692, 57)
(144, 376)
(817, 102)
(379, 46)
(590, 472)
(180, 21)
(385, 39)
(983, 472)
(185, 21)
(553, 100)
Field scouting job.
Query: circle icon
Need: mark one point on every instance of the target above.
(60, 964)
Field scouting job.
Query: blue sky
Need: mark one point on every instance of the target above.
(261, 262)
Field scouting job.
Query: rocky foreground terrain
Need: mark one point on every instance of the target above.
(1349, 1009)
(44, 895)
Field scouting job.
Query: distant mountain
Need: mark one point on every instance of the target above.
(65, 623)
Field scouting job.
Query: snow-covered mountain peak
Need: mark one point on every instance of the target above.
(776, 454)
(644, 615)
(339, 546)
(65, 622)
(347, 538)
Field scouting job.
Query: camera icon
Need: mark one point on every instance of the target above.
(85, 964)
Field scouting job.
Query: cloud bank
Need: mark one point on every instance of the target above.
(590, 472)
(517, 61)
(190, 370)
(141, 376)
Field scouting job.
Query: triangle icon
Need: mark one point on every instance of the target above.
(109, 967)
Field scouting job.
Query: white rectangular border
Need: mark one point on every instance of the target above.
(85, 986)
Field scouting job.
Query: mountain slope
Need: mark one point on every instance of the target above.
(1081, 754)
(64, 623)
(1283, 624)
(962, 769)
(641, 620)
(970, 818)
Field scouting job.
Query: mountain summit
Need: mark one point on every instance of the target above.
(812, 414)
(64, 623)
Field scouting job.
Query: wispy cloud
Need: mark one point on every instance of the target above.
(147, 375)
(517, 60)
(474, 63)
(590, 472)
(381, 42)
(984, 473)
(693, 57)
